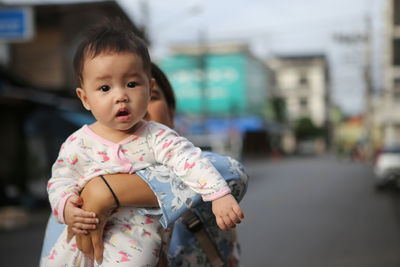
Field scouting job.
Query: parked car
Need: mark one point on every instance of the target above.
(387, 167)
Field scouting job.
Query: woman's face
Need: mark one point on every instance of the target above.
(158, 109)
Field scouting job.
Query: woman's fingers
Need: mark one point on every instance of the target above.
(84, 244)
(97, 243)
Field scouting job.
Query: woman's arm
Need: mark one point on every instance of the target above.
(130, 189)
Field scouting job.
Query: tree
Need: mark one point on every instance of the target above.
(305, 129)
(279, 109)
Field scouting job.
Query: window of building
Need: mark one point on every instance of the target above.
(303, 102)
(396, 12)
(396, 88)
(396, 52)
(303, 79)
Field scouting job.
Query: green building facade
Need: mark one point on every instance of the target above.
(235, 84)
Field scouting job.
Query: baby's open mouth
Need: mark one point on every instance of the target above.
(122, 113)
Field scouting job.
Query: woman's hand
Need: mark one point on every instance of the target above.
(92, 244)
(130, 189)
(100, 201)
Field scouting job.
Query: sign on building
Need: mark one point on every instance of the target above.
(231, 84)
(16, 24)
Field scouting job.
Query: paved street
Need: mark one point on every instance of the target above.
(299, 212)
(318, 212)
(22, 247)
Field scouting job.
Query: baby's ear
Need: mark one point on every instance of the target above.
(82, 96)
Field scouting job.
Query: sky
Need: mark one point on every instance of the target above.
(274, 27)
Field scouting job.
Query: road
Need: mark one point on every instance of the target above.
(21, 247)
(318, 212)
(299, 212)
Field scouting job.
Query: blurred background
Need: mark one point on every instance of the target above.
(305, 93)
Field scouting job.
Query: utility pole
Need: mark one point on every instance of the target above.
(368, 113)
(364, 38)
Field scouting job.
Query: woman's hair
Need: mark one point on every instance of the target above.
(162, 81)
(110, 36)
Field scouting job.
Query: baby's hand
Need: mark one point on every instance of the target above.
(227, 212)
(77, 219)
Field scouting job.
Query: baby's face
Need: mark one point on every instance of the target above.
(116, 89)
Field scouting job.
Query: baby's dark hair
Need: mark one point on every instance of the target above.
(110, 36)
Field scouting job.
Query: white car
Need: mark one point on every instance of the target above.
(387, 167)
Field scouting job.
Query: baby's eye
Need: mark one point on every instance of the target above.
(132, 84)
(105, 88)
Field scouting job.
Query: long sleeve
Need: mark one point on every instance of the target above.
(181, 247)
(175, 198)
(64, 181)
(186, 161)
(233, 172)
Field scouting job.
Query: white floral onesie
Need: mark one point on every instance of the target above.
(85, 155)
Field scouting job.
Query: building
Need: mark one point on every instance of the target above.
(217, 80)
(303, 82)
(222, 90)
(391, 79)
(45, 61)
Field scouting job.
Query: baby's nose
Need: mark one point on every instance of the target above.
(121, 96)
